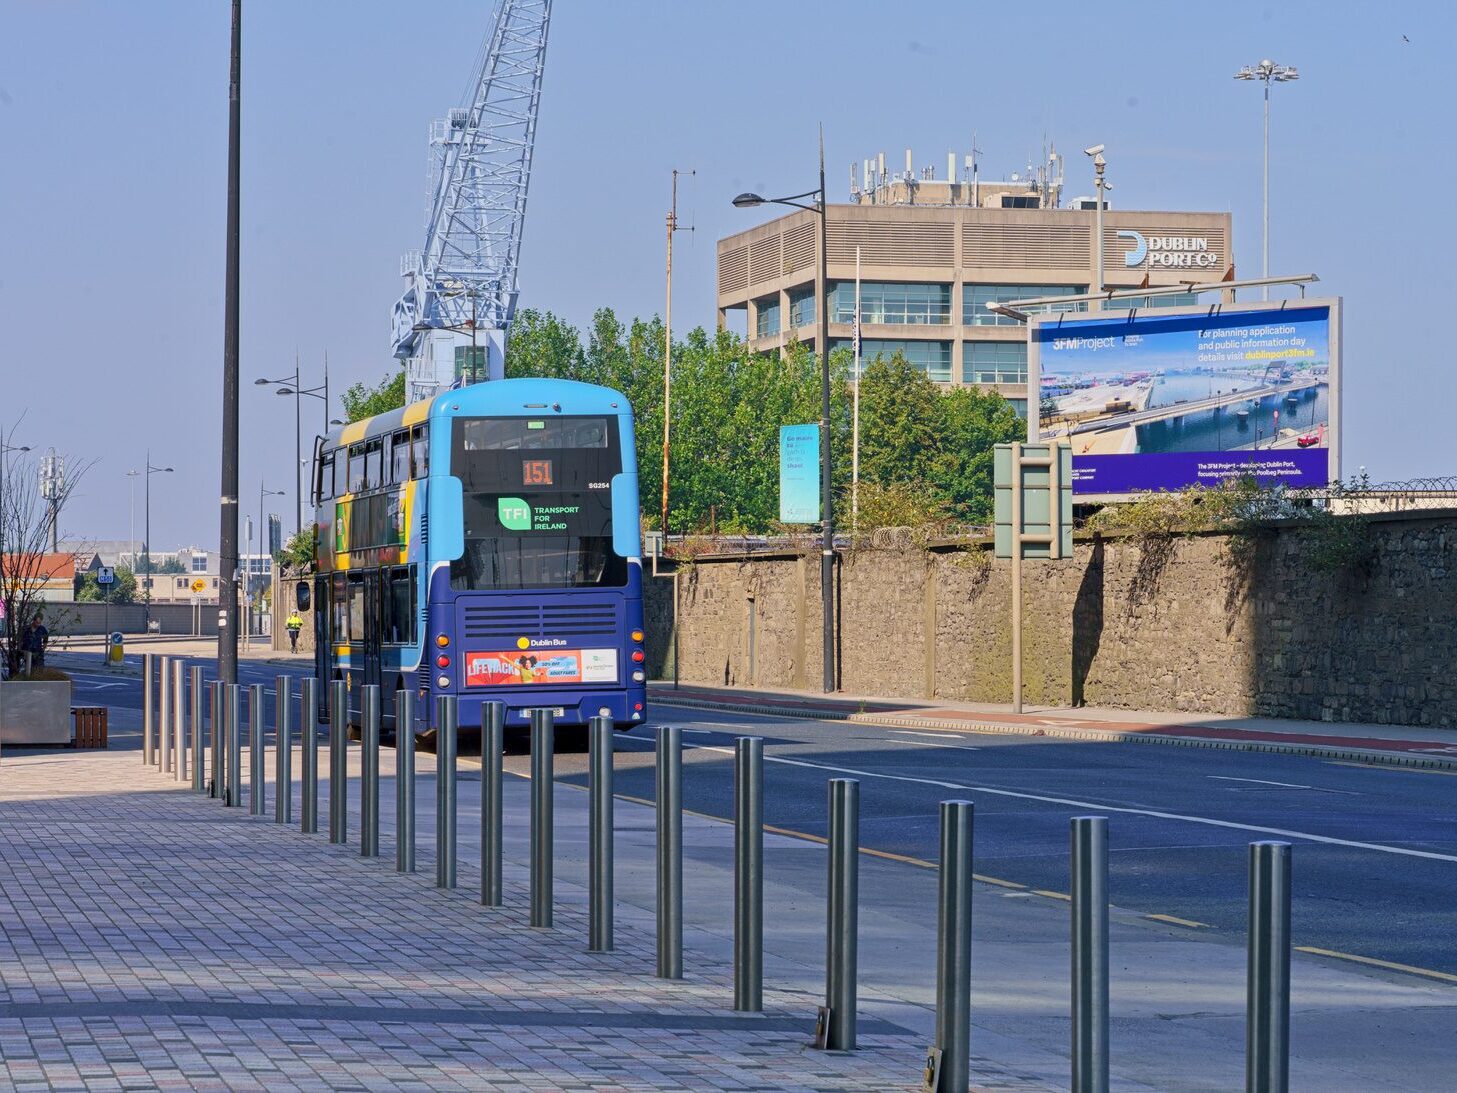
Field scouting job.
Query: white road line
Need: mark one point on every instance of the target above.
(928, 744)
(1075, 803)
(1258, 781)
(932, 735)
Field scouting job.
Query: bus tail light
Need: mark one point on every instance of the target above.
(442, 661)
(638, 676)
(637, 656)
(637, 635)
(442, 640)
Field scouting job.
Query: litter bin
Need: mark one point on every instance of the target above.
(113, 647)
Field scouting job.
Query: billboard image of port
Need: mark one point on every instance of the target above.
(1166, 399)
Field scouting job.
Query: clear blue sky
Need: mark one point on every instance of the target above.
(113, 152)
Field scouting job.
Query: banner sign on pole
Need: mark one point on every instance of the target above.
(799, 474)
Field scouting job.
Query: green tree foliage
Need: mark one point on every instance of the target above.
(361, 401)
(298, 552)
(122, 590)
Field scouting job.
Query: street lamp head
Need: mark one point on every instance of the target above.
(1095, 150)
(747, 201)
(336, 421)
(261, 383)
(284, 391)
(1246, 73)
(165, 470)
(1285, 75)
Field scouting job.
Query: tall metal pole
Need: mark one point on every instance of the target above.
(953, 946)
(298, 450)
(1089, 954)
(404, 781)
(308, 727)
(228, 532)
(1016, 577)
(147, 546)
(447, 723)
(338, 761)
(493, 735)
(669, 776)
(164, 717)
(255, 750)
(199, 763)
(827, 540)
(542, 830)
(668, 351)
(599, 920)
(1265, 262)
(179, 720)
(1267, 1014)
(855, 415)
(369, 710)
(749, 874)
(149, 708)
(283, 750)
(215, 783)
(842, 933)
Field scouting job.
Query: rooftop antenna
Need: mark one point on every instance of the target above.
(975, 181)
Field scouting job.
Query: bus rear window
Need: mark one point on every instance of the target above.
(491, 434)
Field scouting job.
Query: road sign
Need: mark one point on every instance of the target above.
(199, 585)
(1033, 509)
(105, 575)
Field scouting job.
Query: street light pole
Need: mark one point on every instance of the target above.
(1100, 183)
(228, 507)
(822, 292)
(1267, 72)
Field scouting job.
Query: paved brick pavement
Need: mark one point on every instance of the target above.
(150, 938)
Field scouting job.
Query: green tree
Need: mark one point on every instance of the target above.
(298, 552)
(902, 423)
(975, 421)
(361, 401)
(122, 590)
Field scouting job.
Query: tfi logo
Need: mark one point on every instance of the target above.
(514, 513)
(1139, 252)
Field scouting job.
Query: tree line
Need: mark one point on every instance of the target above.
(925, 453)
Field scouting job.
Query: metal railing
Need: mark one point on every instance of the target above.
(948, 1065)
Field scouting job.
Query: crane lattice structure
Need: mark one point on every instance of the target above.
(449, 326)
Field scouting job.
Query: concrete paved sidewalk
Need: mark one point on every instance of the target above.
(1399, 744)
(151, 938)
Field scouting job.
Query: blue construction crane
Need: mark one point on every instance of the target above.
(449, 326)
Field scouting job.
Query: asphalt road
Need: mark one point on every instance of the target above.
(1375, 847)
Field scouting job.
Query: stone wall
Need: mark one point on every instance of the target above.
(1188, 624)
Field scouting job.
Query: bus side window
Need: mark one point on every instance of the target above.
(419, 452)
(340, 600)
(341, 472)
(326, 477)
(374, 463)
(400, 457)
(400, 607)
(356, 468)
(356, 607)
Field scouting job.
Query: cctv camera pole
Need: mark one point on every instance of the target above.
(228, 532)
(1099, 182)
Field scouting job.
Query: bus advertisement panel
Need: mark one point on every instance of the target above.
(1165, 399)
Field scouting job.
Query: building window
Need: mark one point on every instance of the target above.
(933, 358)
(801, 308)
(893, 304)
(974, 300)
(199, 563)
(766, 318)
(1019, 405)
(993, 362)
(1177, 299)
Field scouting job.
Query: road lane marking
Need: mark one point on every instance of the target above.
(1073, 802)
(928, 744)
(1390, 965)
(1177, 921)
(1051, 895)
(1258, 781)
(932, 735)
(1388, 766)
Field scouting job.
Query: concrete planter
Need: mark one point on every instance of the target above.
(35, 713)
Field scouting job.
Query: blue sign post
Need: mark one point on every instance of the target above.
(799, 474)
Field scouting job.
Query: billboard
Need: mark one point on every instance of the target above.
(513, 667)
(1168, 398)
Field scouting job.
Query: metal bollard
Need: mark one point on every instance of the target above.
(148, 710)
(493, 734)
(369, 772)
(953, 947)
(338, 761)
(599, 807)
(669, 784)
(215, 783)
(232, 723)
(404, 781)
(1267, 1014)
(1089, 954)
(543, 743)
(255, 750)
(447, 722)
(164, 717)
(842, 940)
(308, 727)
(179, 720)
(749, 874)
(283, 753)
(199, 763)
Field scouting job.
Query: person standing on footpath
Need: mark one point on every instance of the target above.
(293, 624)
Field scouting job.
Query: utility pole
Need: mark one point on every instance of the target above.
(668, 349)
(827, 532)
(228, 532)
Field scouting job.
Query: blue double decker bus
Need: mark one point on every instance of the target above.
(486, 544)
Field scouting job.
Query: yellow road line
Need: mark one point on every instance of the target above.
(1177, 921)
(1390, 965)
(1051, 895)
